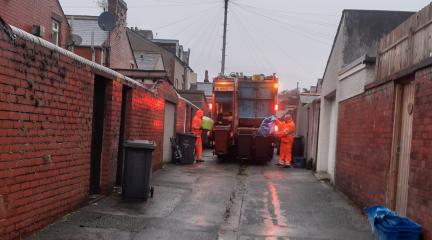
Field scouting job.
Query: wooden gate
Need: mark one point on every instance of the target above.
(402, 145)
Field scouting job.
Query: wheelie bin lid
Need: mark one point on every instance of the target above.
(188, 134)
(146, 144)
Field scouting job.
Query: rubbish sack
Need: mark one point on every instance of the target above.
(267, 126)
(207, 123)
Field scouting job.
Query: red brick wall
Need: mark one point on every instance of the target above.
(86, 52)
(111, 135)
(420, 181)
(26, 13)
(46, 104)
(181, 118)
(364, 149)
(364, 145)
(45, 135)
(145, 120)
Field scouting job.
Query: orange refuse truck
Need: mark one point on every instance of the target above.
(239, 104)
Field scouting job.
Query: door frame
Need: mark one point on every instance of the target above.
(175, 122)
(396, 138)
(125, 104)
(100, 86)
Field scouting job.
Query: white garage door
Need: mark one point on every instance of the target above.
(169, 124)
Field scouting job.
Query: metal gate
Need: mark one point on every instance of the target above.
(404, 146)
(169, 131)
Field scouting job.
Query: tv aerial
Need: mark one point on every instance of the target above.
(107, 21)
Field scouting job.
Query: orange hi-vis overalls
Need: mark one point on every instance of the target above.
(196, 130)
(286, 133)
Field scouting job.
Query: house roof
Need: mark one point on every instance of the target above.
(149, 60)
(85, 27)
(160, 40)
(206, 87)
(195, 96)
(139, 42)
(308, 98)
(362, 31)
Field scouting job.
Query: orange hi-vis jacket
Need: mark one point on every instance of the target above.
(286, 134)
(196, 129)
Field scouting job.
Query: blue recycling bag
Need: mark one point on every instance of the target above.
(266, 126)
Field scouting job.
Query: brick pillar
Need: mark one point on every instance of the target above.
(111, 135)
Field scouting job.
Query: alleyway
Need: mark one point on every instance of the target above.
(220, 201)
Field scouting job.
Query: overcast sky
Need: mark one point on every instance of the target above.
(292, 38)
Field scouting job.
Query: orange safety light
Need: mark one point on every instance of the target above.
(210, 106)
(276, 128)
(276, 107)
(222, 83)
(275, 85)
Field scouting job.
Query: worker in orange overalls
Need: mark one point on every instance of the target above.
(197, 131)
(286, 134)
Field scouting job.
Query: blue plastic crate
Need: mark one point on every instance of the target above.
(376, 212)
(387, 225)
(299, 162)
(397, 228)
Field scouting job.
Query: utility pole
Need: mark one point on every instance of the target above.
(224, 38)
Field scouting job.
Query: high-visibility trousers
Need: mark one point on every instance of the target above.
(286, 152)
(198, 146)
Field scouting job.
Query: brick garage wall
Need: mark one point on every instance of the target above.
(45, 135)
(24, 14)
(46, 104)
(181, 118)
(113, 99)
(364, 145)
(145, 119)
(420, 181)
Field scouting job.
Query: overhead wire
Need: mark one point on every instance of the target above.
(206, 38)
(189, 17)
(255, 47)
(293, 15)
(288, 55)
(204, 27)
(189, 27)
(324, 35)
(131, 7)
(286, 26)
(288, 12)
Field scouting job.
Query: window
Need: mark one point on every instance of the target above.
(55, 32)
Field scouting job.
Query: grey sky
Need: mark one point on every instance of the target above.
(289, 37)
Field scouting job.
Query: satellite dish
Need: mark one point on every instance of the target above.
(76, 39)
(107, 21)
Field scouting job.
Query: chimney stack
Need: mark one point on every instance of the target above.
(206, 78)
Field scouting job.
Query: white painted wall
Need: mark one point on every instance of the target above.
(178, 74)
(328, 121)
(332, 139)
(323, 136)
(352, 82)
(313, 122)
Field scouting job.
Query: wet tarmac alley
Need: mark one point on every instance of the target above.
(220, 200)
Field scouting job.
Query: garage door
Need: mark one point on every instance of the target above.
(169, 124)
